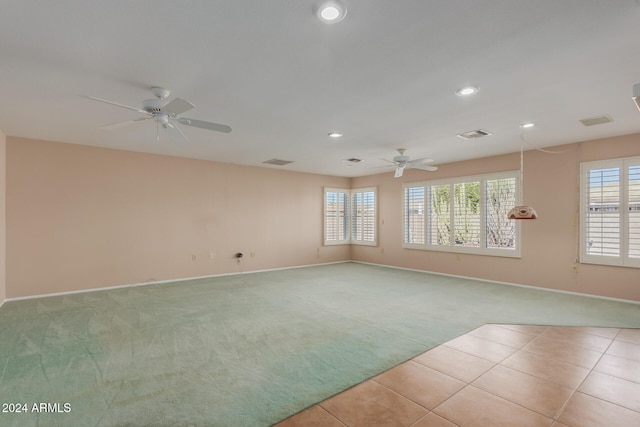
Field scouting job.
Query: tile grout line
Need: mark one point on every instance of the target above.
(469, 354)
(319, 405)
(564, 406)
(469, 384)
(401, 395)
(552, 419)
(439, 416)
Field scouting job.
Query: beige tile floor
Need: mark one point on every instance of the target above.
(500, 375)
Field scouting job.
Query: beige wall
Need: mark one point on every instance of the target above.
(81, 217)
(549, 244)
(3, 163)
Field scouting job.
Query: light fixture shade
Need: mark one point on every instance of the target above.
(522, 212)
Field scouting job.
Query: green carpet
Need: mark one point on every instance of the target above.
(250, 349)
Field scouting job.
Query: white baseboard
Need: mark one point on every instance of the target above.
(519, 285)
(157, 282)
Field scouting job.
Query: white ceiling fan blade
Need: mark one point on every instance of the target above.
(177, 106)
(176, 127)
(204, 125)
(399, 172)
(422, 160)
(425, 167)
(122, 124)
(118, 105)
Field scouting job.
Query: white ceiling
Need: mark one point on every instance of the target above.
(384, 77)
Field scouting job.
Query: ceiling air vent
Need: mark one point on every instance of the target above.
(473, 134)
(596, 120)
(277, 162)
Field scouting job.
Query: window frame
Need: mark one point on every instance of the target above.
(452, 246)
(351, 217)
(623, 259)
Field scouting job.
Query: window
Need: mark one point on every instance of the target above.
(610, 212)
(350, 216)
(336, 210)
(363, 228)
(467, 214)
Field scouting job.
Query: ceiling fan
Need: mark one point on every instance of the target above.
(164, 113)
(403, 162)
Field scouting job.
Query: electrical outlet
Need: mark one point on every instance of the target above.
(193, 257)
(252, 254)
(211, 256)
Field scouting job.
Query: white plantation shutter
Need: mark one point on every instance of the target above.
(439, 214)
(500, 197)
(350, 216)
(336, 209)
(602, 220)
(633, 207)
(414, 221)
(466, 214)
(363, 228)
(610, 212)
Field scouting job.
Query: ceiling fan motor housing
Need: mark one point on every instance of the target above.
(160, 92)
(153, 106)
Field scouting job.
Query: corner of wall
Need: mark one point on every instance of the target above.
(3, 211)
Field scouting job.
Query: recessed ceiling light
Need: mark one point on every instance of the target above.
(467, 90)
(335, 135)
(527, 125)
(331, 11)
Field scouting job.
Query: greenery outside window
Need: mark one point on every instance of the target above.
(465, 214)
